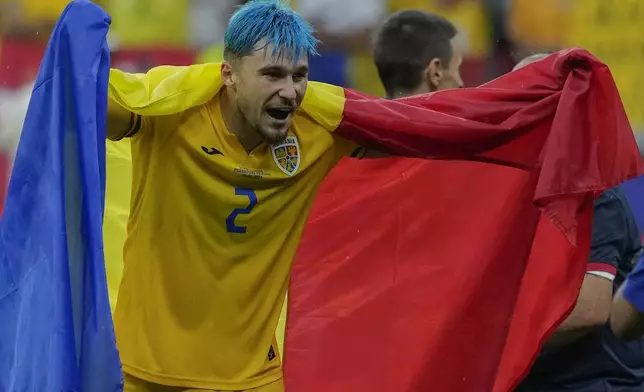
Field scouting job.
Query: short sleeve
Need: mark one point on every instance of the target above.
(610, 237)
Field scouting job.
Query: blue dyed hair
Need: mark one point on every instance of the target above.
(274, 22)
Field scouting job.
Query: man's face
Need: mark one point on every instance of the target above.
(268, 90)
(451, 72)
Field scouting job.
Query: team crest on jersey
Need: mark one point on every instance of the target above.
(287, 155)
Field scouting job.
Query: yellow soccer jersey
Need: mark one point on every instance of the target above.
(211, 237)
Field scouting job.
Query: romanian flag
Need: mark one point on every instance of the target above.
(548, 137)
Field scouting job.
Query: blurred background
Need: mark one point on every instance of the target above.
(494, 34)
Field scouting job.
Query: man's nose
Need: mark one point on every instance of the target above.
(287, 90)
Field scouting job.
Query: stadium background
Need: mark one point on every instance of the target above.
(493, 35)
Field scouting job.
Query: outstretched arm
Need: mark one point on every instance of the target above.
(591, 311)
(611, 242)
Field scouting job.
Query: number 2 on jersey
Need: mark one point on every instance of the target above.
(231, 226)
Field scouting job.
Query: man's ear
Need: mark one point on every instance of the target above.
(227, 75)
(434, 74)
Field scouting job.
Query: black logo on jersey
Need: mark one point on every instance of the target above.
(211, 151)
(271, 353)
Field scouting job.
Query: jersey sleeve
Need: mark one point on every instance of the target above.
(610, 237)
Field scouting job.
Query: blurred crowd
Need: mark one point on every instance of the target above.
(493, 34)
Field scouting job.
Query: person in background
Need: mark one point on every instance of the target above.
(583, 354)
(473, 27)
(415, 54)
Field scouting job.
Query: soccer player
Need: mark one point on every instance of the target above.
(583, 354)
(415, 54)
(220, 196)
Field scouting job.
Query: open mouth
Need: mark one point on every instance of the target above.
(279, 113)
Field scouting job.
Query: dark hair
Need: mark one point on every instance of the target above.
(405, 45)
